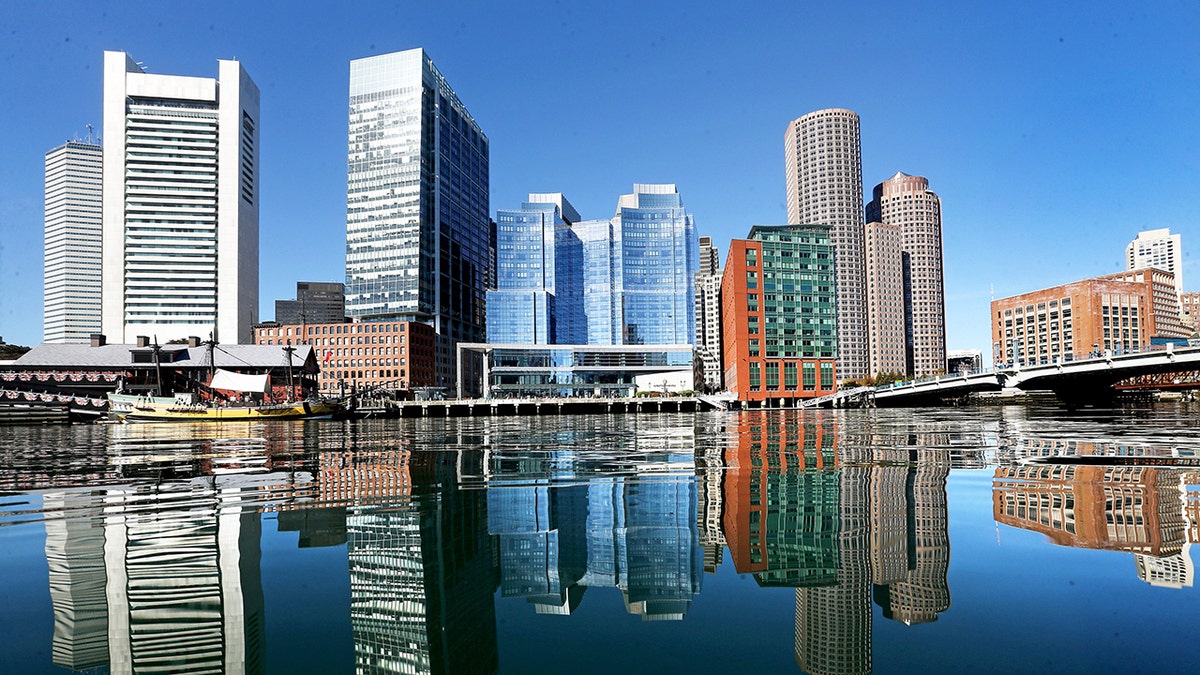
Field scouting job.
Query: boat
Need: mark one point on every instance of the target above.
(229, 397)
(188, 408)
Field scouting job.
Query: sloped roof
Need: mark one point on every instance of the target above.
(121, 356)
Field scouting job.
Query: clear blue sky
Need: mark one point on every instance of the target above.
(1053, 131)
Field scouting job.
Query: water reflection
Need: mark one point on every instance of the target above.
(1135, 509)
(154, 534)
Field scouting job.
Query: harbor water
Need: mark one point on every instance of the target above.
(993, 540)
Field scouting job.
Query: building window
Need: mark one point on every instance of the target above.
(751, 257)
(751, 279)
(772, 376)
(755, 377)
(810, 376)
(790, 378)
(826, 376)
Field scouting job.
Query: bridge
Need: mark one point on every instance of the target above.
(1082, 381)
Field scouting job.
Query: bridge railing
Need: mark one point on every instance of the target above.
(1009, 367)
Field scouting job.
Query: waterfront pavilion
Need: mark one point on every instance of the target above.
(558, 371)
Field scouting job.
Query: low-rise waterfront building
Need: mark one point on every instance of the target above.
(1118, 312)
(392, 355)
(779, 314)
(80, 376)
(556, 371)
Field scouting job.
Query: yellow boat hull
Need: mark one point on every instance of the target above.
(176, 413)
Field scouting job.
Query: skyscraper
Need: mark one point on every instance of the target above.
(653, 240)
(906, 202)
(626, 280)
(708, 316)
(180, 203)
(72, 272)
(522, 308)
(1160, 249)
(316, 302)
(824, 187)
(417, 225)
(885, 298)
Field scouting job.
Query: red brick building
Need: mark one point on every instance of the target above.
(394, 355)
(779, 316)
(1118, 312)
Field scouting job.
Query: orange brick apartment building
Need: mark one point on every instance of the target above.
(394, 355)
(1118, 312)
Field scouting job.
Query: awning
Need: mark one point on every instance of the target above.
(231, 381)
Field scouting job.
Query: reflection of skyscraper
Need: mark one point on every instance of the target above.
(543, 548)
(833, 624)
(1123, 508)
(184, 588)
(663, 552)
(421, 578)
(75, 556)
(638, 534)
(921, 593)
(710, 475)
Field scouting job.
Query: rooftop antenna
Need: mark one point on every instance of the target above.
(89, 136)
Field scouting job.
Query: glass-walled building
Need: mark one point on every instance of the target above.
(624, 280)
(522, 307)
(522, 370)
(659, 259)
(417, 226)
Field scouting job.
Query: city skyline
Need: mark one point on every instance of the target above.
(969, 128)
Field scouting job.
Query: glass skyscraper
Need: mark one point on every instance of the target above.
(622, 281)
(417, 224)
(522, 308)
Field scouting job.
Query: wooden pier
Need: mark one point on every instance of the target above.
(529, 406)
(33, 414)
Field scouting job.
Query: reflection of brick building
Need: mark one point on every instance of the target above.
(781, 510)
(1121, 508)
(779, 315)
(394, 355)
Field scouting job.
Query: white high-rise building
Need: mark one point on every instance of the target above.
(824, 187)
(180, 203)
(71, 277)
(1159, 249)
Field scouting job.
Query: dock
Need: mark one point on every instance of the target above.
(529, 407)
(33, 414)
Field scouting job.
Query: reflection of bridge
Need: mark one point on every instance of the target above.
(1078, 381)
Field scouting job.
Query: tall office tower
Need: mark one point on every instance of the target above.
(885, 298)
(316, 302)
(417, 226)
(907, 202)
(708, 316)
(824, 187)
(180, 203)
(71, 300)
(777, 311)
(710, 262)
(522, 308)
(637, 270)
(658, 260)
(1160, 249)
